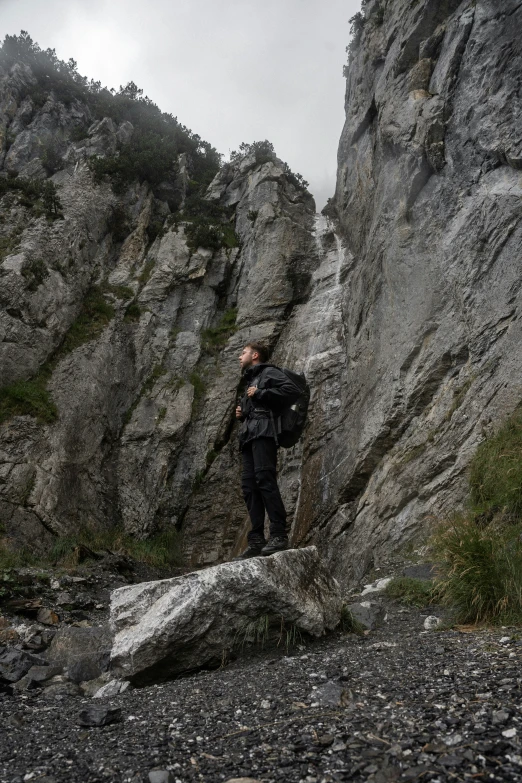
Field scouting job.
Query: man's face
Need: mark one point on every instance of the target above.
(247, 357)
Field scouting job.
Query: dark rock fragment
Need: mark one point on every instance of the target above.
(15, 663)
(100, 715)
(43, 673)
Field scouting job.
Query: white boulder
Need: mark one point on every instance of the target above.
(172, 626)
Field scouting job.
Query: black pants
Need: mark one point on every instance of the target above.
(260, 490)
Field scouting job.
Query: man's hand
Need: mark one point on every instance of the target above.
(251, 390)
(238, 412)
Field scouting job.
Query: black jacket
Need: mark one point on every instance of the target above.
(259, 413)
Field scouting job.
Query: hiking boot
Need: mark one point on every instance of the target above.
(276, 544)
(253, 549)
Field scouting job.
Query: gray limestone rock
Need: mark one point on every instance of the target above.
(176, 625)
(111, 688)
(161, 776)
(369, 614)
(82, 652)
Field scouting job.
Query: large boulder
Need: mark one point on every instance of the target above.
(176, 625)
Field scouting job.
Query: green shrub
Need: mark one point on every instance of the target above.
(211, 455)
(158, 138)
(216, 338)
(481, 570)
(264, 151)
(79, 133)
(13, 558)
(297, 180)
(155, 229)
(496, 472)
(146, 272)
(252, 215)
(34, 272)
(118, 225)
(27, 398)
(413, 592)
(348, 622)
(32, 192)
(120, 291)
(51, 202)
(356, 22)
(133, 312)
(28, 190)
(198, 481)
(201, 233)
(51, 158)
(207, 223)
(94, 316)
(157, 372)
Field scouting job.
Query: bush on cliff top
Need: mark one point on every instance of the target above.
(158, 138)
(264, 152)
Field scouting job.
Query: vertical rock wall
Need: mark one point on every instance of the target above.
(429, 209)
(402, 307)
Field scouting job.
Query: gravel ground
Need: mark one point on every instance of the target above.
(397, 704)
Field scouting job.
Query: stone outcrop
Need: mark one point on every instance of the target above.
(401, 304)
(176, 625)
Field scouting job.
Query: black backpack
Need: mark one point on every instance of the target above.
(291, 420)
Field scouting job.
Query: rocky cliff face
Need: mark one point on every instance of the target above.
(402, 306)
(428, 200)
(145, 399)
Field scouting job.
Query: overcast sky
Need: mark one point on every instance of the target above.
(231, 70)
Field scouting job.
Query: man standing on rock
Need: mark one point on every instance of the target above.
(269, 390)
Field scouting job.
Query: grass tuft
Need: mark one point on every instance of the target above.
(412, 592)
(348, 622)
(496, 472)
(200, 388)
(266, 630)
(215, 339)
(160, 551)
(481, 570)
(479, 554)
(95, 314)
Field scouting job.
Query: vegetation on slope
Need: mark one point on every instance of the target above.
(162, 550)
(480, 553)
(158, 138)
(31, 397)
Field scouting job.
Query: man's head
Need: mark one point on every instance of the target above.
(252, 354)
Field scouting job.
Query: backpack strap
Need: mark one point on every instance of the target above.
(261, 385)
